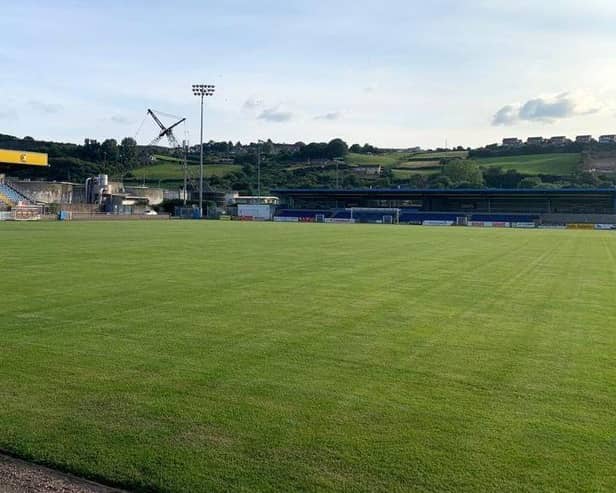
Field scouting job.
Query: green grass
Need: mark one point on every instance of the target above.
(161, 158)
(405, 164)
(385, 160)
(441, 155)
(171, 171)
(215, 356)
(561, 164)
(408, 172)
(418, 165)
(407, 169)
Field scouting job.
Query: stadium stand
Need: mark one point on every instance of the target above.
(505, 218)
(406, 215)
(486, 207)
(524, 202)
(342, 214)
(10, 196)
(363, 216)
(415, 217)
(301, 213)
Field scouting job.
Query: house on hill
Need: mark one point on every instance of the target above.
(559, 140)
(368, 169)
(607, 139)
(535, 141)
(512, 142)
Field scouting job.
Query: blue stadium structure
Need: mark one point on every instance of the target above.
(418, 205)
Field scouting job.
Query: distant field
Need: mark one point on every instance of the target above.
(441, 155)
(399, 159)
(386, 160)
(195, 356)
(169, 159)
(418, 164)
(554, 164)
(408, 172)
(308, 166)
(171, 171)
(406, 169)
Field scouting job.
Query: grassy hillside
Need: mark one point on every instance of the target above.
(224, 356)
(174, 171)
(418, 164)
(552, 164)
(441, 155)
(403, 165)
(409, 168)
(406, 164)
(160, 159)
(401, 159)
(403, 173)
(387, 160)
(561, 164)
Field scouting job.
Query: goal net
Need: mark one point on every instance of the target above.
(381, 215)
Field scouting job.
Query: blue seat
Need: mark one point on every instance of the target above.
(13, 195)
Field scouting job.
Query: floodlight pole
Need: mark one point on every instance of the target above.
(259, 171)
(185, 170)
(202, 90)
(201, 163)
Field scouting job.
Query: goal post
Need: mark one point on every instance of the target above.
(382, 215)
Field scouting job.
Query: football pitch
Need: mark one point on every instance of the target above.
(221, 356)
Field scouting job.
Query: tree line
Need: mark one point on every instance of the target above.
(320, 164)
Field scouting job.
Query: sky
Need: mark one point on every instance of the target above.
(391, 73)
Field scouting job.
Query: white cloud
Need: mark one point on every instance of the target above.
(547, 109)
(335, 115)
(121, 120)
(45, 108)
(252, 104)
(275, 115)
(8, 114)
(507, 115)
